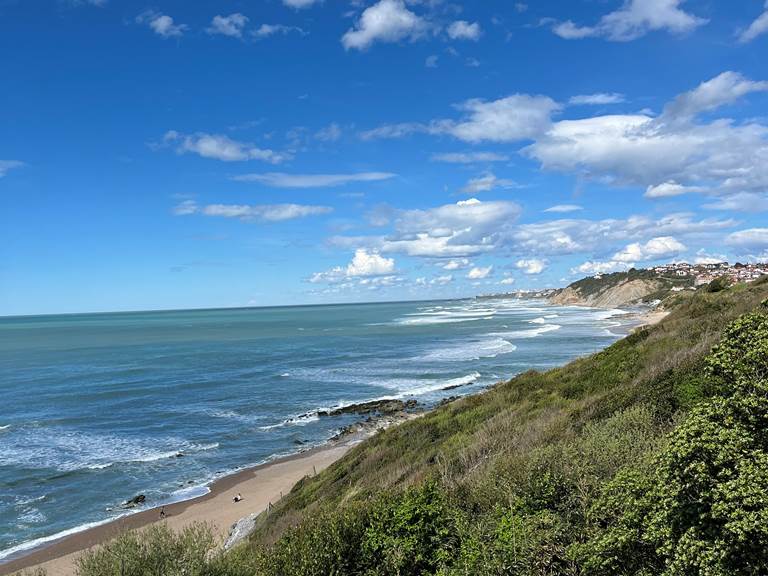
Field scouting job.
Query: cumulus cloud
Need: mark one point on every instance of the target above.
(574, 236)
(531, 265)
(594, 267)
(654, 249)
(364, 264)
(723, 89)
(598, 99)
(283, 180)
(252, 213)
(385, 21)
(463, 30)
(456, 264)
(668, 189)
(7, 165)
(635, 19)
(232, 25)
(513, 118)
(464, 229)
(162, 24)
(750, 239)
(507, 281)
(469, 157)
(664, 153)
(564, 208)
(487, 182)
(478, 272)
(221, 147)
(757, 28)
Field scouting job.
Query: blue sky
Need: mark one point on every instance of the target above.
(179, 154)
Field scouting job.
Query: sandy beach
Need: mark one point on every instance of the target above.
(258, 486)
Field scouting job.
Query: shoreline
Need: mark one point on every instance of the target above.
(260, 485)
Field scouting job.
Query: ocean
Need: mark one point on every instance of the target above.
(96, 408)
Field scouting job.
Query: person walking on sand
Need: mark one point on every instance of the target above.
(237, 498)
(162, 513)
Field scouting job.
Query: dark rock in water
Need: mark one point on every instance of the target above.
(448, 400)
(298, 442)
(135, 501)
(180, 454)
(387, 406)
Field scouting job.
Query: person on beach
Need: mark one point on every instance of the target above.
(237, 498)
(162, 513)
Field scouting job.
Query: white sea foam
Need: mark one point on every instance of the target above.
(68, 450)
(32, 544)
(529, 333)
(443, 384)
(470, 350)
(6, 427)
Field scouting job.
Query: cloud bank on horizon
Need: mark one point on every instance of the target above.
(313, 151)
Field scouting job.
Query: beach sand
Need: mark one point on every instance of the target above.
(259, 487)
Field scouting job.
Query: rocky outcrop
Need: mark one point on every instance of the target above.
(609, 296)
(240, 530)
(378, 406)
(134, 502)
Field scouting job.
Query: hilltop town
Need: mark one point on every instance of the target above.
(643, 285)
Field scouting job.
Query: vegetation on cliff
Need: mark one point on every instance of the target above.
(650, 457)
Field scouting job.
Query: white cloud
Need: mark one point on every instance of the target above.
(431, 61)
(507, 281)
(161, 24)
(221, 147)
(592, 268)
(7, 165)
(573, 236)
(702, 257)
(463, 229)
(668, 189)
(463, 30)
(456, 264)
(516, 117)
(251, 213)
(385, 21)
(672, 150)
(283, 180)
(750, 239)
(564, 208)
(232, 25)
(654, 249)
(364, 264)
(442, 280)
(266, 30)
(478, 272)
(757, 28)
(469, 157)
(485, 183)
(598, 99)
(531, 265)
(635, 19)
(723, 89)
(513, 118)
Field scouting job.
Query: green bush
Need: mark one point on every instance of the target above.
(155, 551)
(701, 505)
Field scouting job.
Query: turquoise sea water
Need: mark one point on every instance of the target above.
(94, 408)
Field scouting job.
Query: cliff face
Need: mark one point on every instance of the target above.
(608, 296)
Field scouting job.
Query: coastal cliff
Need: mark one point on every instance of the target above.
(618, 289)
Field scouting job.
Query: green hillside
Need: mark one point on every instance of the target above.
(650, 457)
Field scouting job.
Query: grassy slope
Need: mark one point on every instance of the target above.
(629, 461)
(486, 445)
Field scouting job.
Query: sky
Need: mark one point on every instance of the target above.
(184, 154)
